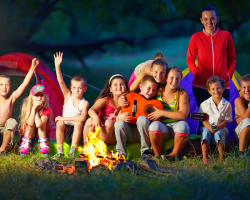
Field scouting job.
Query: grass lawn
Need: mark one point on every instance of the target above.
(190, 179)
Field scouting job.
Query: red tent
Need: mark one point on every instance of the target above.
(17, 65)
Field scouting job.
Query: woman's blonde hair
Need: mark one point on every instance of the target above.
(179, 89)
(26, 110)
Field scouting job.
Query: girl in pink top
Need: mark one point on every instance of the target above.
(106, 107)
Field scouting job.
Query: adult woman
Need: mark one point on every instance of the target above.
(215, 53)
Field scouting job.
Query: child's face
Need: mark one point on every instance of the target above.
(209, 20)
(4, 86)
(78, 88)
(216, 90)
(158, 72)
(245, 89)
(148, 89)
(40, 97)
(118, 87)
(173, 79)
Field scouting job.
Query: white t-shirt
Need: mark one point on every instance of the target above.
(70, 111)
(219, 113)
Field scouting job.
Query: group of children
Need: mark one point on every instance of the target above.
(155, 80)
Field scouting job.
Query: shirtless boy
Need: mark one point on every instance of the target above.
(7, 124)
(242, 113)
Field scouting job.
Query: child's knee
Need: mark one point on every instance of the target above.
(60, 124)
(109, 123)
(143, 121)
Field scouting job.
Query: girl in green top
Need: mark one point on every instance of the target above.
(176, 107)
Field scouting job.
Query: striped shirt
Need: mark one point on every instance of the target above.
(167, 106)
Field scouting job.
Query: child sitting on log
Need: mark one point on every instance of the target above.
(35, 115)
(242, 114)
(75, 110)
(220, 113)
(126, 132)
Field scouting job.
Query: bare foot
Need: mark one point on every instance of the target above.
(205, 161)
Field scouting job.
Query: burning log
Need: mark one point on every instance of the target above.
(81, 165)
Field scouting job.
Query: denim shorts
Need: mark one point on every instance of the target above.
(219, 135)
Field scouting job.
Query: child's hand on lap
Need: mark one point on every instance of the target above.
(58, 118)
(96, 122)
(126, 117)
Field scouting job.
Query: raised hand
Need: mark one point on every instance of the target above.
(58, 57)
(34, 62)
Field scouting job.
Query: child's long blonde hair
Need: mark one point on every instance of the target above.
(26, 110)
(179, 89)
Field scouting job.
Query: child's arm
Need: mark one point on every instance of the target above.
(95, 109)
(133, 87)
(241, 107)
(181, 114)
(80, 118)
(26, 81)
(58, 57)
(31, 120)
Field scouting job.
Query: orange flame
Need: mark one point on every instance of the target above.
(95, 146)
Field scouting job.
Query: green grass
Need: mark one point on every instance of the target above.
(190, 179)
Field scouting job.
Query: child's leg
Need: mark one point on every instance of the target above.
(75, 138)
(244, 138)
(77, 132)
(181, 130)
(10, 128)
(157, 133)
(60, 128)
(86, 129)
(206, 138)
(123, 132)
(142, 124)
(220, 139)
(107, 133)
(26, 140)
(43, 144)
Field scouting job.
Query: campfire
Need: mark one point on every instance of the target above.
(95, 152)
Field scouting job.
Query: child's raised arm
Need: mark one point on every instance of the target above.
(26, 81)
(241, 107)
(80, 118)
(133, 87)
(58, 57)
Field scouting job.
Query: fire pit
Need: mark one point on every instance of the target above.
(95, 152)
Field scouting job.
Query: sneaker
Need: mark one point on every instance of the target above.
(72, 154)
(146, 155)
(43, 146)
(25, 145)
(166, 158)
(58, 155)
(4, 153)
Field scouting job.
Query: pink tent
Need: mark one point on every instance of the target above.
(18, 64)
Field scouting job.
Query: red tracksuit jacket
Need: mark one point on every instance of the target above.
(215, 55)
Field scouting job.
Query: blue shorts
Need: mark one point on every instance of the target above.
(219, 135)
